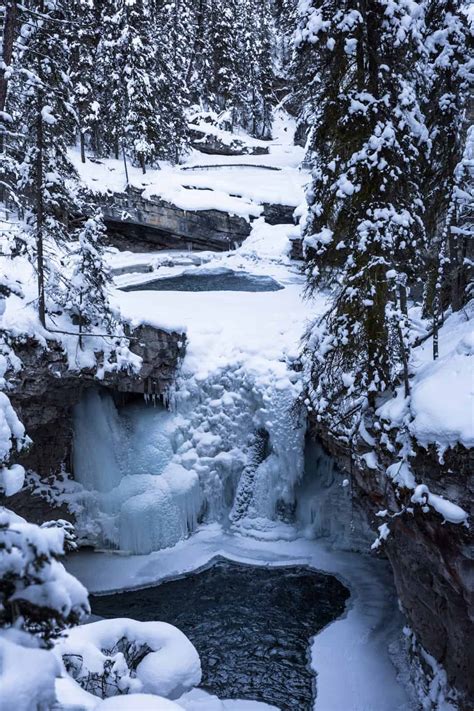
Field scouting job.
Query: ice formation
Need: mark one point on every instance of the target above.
(142, 499)
(324, 504)
(156, 473)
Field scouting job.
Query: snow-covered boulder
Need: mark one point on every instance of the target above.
(123, 656)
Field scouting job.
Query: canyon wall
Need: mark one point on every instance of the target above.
(135, 222)
(432, 560)
(45, 390)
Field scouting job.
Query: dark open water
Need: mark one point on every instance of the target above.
(221, 281)
(251, 626)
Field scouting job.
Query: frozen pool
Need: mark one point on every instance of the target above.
(209, 280)
(251, 626)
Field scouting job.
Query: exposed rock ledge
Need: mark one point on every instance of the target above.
(45, 390)
(432, 562)
(214, 145)
(137, 223)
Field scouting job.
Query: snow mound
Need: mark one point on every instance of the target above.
(126, 656)
(441, 407)
(138, 702)
(199, 700)
(33, 690)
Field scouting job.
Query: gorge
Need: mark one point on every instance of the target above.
(207, 434)
(236, 345)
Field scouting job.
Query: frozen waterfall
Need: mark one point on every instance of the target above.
(230, 450)
(142, 500)
(325, 507)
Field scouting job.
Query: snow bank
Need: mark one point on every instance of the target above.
(108, 650)
(231, 188)
(34, 687)
(441, 407)
(199, 700)
(138, 702)
(443, 398)
(213, 188)
(21, 320)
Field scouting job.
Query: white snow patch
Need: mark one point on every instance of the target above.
(169, 669)
(34, 688)
(441, 407)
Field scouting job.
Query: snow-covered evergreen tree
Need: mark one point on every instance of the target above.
(231, 64)
(37, 595)
(43, 109)
(82, 34)
(42, 106)
(364, 232)
(256, 93)
(86, 298)
(143, 100)
(445, 79)
(224, 42)
(462, 224)
(107, 139)
(199, 75)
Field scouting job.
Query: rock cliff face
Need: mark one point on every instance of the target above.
(152, 223)
(45, 390)
(432, 561)
(213, 145)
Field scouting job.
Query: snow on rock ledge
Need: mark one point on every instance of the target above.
(125, 656)
(442, 397)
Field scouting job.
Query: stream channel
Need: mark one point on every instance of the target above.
(252, 626)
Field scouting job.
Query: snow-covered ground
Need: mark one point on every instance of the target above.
(235, 184)
(224, 326)
(350, 657)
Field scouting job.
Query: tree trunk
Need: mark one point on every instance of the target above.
(436, 327)
(403, 299)
(11, 13)
(40, 209)
(83, 147)
(197, 41)
(6, 52)
(372, 23)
